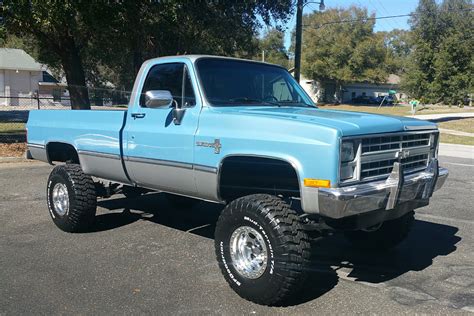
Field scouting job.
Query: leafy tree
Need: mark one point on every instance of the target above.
(148, 29)
(398, 45)
(454, 62)
(426, 33)
(441, 64)
(103, 42)
(342, 52)
(60, 35)
(273, 44)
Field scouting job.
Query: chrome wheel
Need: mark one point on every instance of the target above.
(60, 199)
(248, 252)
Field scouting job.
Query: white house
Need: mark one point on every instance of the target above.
(353, 90)
(21, 78)
(329, 92)
(311, 88)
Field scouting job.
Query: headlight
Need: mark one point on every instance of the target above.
(347, 151)
(347, 171)
(348, 167)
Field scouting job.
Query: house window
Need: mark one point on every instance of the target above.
(57, 95)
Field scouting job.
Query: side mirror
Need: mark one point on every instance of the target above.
(158, 99)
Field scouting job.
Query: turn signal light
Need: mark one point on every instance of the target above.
(317, 183)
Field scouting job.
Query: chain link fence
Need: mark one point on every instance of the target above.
(14, 112)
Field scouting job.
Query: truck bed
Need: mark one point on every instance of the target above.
(96, 135)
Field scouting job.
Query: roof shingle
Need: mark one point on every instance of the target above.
(17, 59)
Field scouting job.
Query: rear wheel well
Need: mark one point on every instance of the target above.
(244, 175)
(62, 152)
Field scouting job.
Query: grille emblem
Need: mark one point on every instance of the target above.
(402, 154)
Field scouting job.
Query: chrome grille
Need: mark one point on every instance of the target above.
(395, 142)
(378, 153)
(384, 167)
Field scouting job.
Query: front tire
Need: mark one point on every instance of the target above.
(72, 199)
(389, 235)
(262, 249)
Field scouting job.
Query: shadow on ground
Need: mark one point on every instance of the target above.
(449, 118)
(425, 242)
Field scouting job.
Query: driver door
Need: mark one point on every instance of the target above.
(159, 153)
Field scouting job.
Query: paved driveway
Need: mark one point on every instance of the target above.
(146, 257)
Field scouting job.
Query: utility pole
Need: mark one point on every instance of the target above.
(299, 31)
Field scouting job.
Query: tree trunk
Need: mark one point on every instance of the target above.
(76, 81)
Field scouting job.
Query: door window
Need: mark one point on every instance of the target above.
(173, 77)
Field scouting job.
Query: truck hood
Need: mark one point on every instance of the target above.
(348, 123)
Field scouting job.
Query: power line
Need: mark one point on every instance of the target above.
(385, 10)
(377, 18)
(389, 22)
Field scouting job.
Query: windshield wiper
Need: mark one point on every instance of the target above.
(250, 100)
(293, 103)
(245, 100)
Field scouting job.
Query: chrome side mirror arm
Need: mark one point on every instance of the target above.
(178, 113)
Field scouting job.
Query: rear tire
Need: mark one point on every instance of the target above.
(389, 235)
(72, 199)
(262, 249)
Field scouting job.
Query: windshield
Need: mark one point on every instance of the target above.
(234, 82)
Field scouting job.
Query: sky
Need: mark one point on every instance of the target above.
(379, 7)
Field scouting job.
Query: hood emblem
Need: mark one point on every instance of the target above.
(216, 145)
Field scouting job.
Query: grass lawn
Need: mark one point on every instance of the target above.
(462, 125)
(396, 110)
(12, 150)
(453, 139)
(11, 128)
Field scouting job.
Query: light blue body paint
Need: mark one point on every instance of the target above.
(308, 138)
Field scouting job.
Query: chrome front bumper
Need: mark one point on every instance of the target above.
(382, 195)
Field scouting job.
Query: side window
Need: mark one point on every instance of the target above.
(172, 77)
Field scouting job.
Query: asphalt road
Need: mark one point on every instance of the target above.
(146, 257)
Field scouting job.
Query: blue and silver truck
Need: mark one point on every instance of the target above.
(246, 135)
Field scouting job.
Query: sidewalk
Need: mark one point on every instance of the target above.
(454, 150)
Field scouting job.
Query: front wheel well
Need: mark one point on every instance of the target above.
(62, 152)
(245, 175)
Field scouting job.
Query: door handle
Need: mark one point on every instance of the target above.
(138, 115)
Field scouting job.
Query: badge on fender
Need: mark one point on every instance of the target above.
(216, 145)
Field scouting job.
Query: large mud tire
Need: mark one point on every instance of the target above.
(72, 200)
(276, 228)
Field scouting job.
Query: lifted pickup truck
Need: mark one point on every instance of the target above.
(246, 135)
